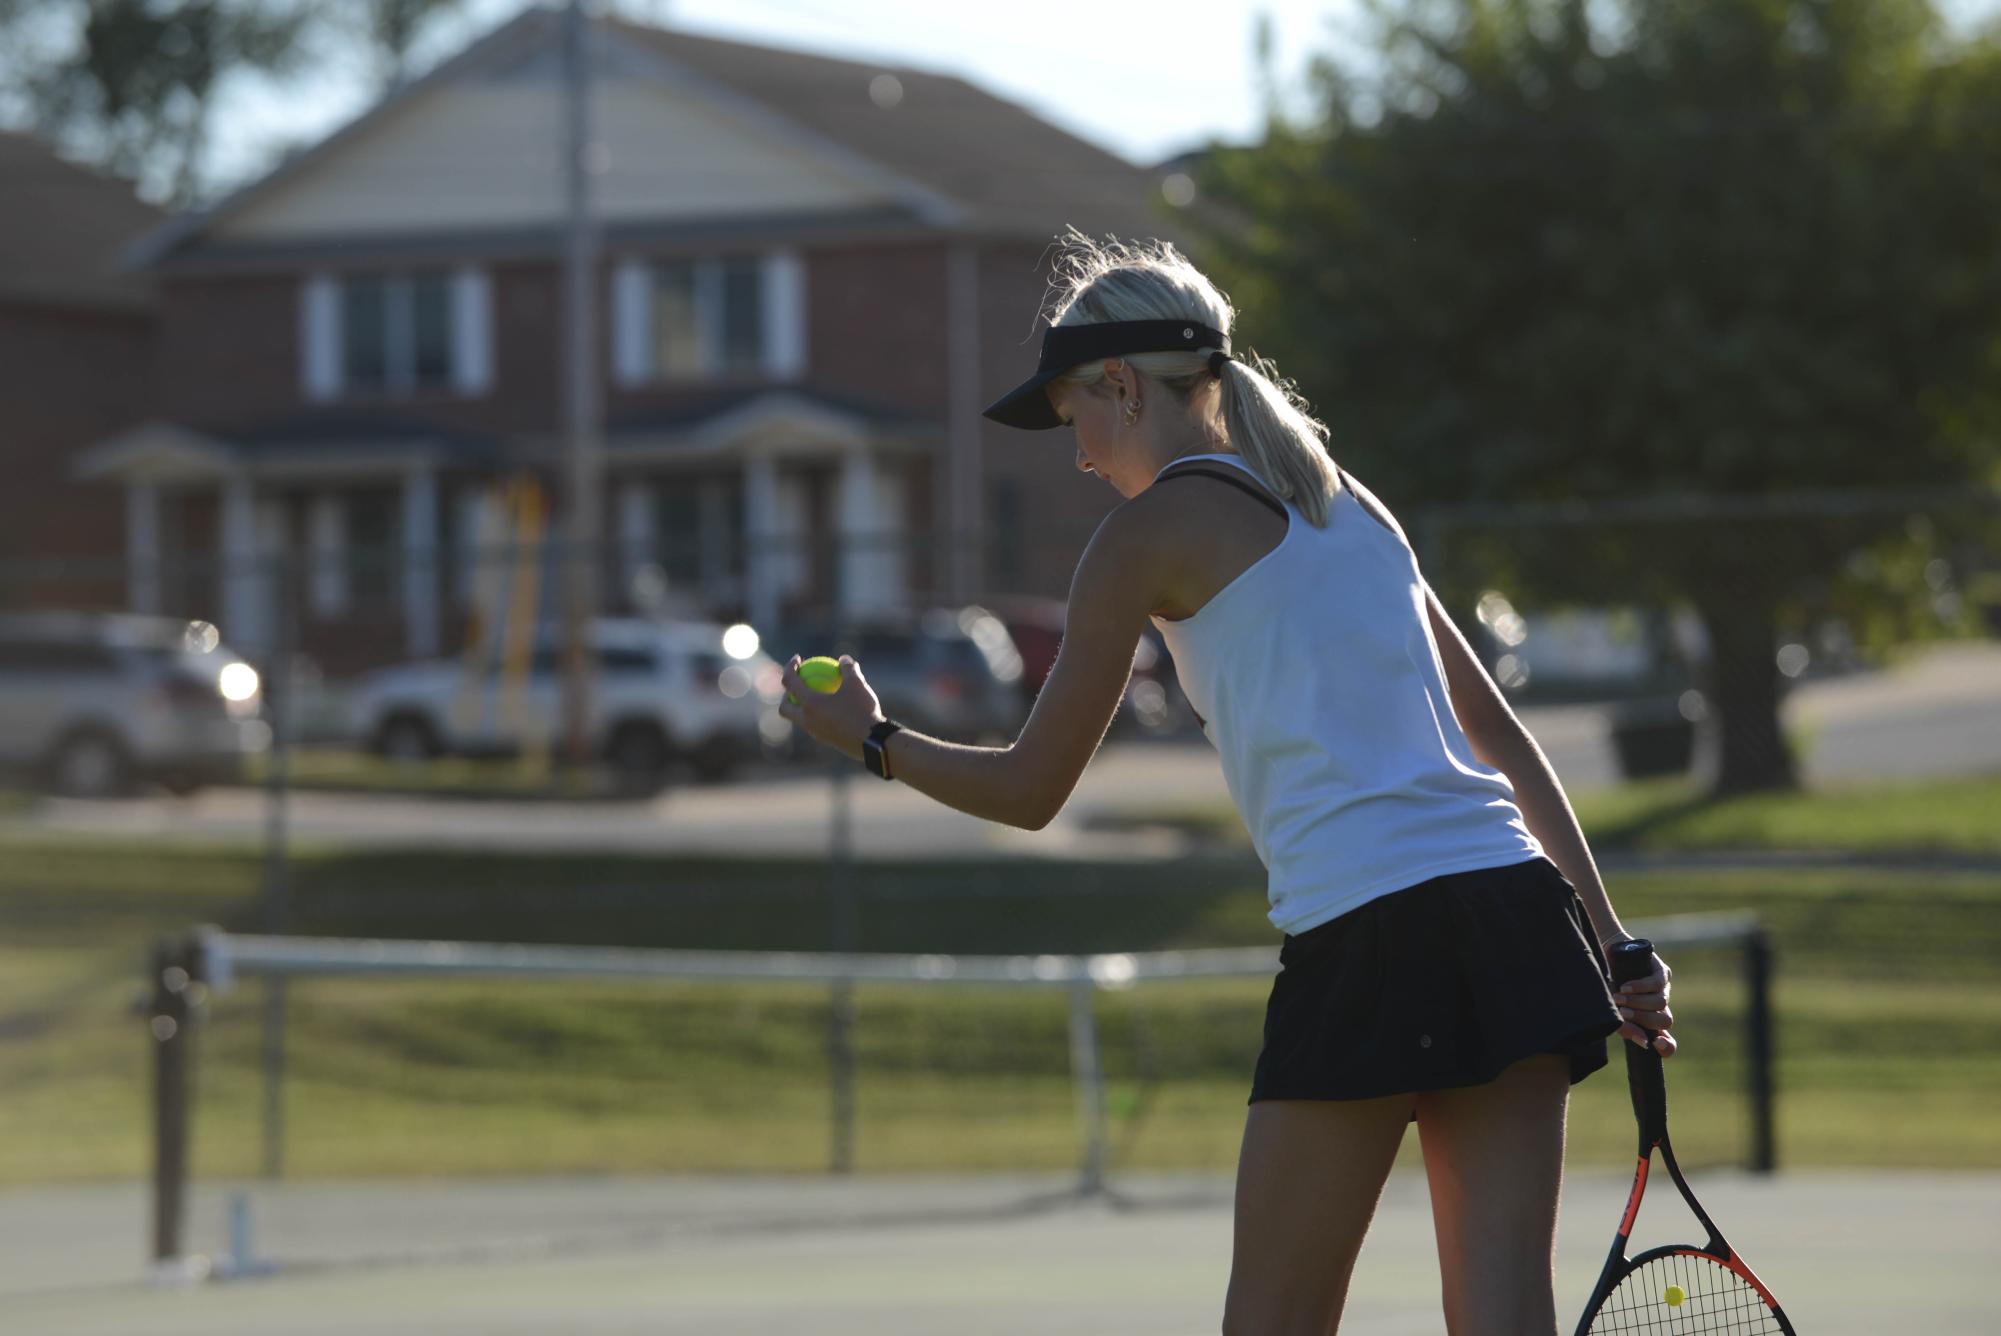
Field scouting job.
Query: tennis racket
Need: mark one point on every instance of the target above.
(1680, 1289)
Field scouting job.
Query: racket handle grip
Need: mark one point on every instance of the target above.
(1631, 960)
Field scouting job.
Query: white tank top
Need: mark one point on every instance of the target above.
(1316, 678)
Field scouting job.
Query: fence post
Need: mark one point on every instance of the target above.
(1758, 1048)
(279, 682)
(179, 990)
(846, 940)
(1088, 1072)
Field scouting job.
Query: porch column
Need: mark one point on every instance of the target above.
(142, 545)
(889, 576)
(482, 550)
(420, 562)
(761, 535)
(793, 542)
(326, 550)
(865, 536)
(718, 565)
(636, 508)
(243, 606)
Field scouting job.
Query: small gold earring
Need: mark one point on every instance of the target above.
(1132, 412)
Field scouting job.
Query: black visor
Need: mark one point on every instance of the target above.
(1066, 346)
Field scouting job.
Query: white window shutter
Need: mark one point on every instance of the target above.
(472, 331)
(784, 315)
(320, 338)
(631, 323)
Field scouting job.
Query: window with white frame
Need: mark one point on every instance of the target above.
(398, 333)
(708, 318)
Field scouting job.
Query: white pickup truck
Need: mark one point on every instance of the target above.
(662, 691)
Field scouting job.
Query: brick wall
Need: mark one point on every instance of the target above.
(229, 350)
(69, 377)
(876, 333)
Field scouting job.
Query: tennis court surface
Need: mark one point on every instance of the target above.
(1848, 1254)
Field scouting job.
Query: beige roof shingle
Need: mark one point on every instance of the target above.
(1013, 172)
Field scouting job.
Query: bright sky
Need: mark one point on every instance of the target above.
(1144, 80)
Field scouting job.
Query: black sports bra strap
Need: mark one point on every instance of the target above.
(1376, 512)
(1226, 475)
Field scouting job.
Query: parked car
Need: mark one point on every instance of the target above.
(1642, 664)
(1153, 705)
(953, 673)
(663, 691)
(1155, 702)
(1036, 627)
(92, 704)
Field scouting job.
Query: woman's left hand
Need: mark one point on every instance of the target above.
(840, 719)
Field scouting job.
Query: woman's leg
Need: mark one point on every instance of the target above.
(1308, 1181)
(1494, 1158)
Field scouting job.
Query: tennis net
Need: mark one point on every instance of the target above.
(420, 1060)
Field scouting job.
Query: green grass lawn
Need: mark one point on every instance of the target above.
(1954, 818)
(346, 770)
(1941, 818)
(1889, 1004)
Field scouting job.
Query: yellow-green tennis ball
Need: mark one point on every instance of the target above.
(1675, 1294)
(820, 673)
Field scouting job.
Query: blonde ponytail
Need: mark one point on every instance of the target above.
(1284, 445)
(1261, 416)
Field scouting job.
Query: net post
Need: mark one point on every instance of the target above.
(1758, 1048)
(1088, 1072)
(841, 1022)
(179, 989)
(277, 887)
(846, 933)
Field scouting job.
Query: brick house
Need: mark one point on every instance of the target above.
(76, 350)
(815, 273)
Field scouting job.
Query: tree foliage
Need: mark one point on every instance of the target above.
(390, 30)
(132, 85)
(1603, 249)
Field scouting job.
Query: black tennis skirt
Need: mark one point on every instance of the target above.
(1445, 983)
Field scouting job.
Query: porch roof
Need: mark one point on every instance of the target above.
(723, 427)
(792, 423)
(321, 446)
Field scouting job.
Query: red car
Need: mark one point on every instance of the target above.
(1153, 705)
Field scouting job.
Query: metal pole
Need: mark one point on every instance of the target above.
(1759, 1052)
(176, 1007)
(960, 483)
(277, 861)
(1089, 1074)
(581, 406)
(846, 925)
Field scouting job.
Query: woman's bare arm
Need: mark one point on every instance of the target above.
(1499, 740)
(1026, 784)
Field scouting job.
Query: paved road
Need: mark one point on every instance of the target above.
(1853, 1254)
(1940, 715)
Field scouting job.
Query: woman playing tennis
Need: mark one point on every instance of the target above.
(1442, 916)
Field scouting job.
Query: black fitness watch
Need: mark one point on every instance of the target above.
(872, 749)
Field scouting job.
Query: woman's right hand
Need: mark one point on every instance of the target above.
(1643, 1006)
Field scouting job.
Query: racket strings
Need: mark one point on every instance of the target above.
(1713, 1298)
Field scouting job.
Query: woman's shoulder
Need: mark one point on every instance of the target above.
(1370, 503)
